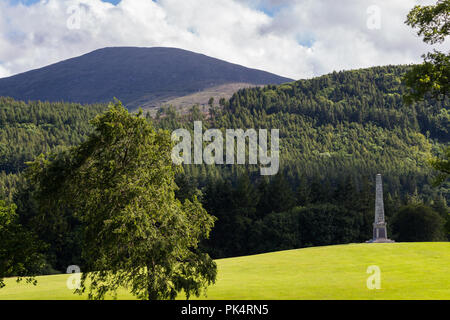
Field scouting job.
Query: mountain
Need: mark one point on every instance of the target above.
(136, 76)
(337, 132)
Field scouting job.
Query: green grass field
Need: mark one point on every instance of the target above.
(408, 271)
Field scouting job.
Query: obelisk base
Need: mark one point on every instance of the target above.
(379, 234)
(380, 240)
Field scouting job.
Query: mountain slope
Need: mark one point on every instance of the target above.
(135, 76)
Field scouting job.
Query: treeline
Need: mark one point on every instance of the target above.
(257, 214)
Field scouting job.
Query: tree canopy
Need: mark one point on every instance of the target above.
(432, 77)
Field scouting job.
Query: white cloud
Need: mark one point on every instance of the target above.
(4, 72)
(298, 39)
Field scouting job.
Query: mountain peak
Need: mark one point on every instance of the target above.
(134, 75)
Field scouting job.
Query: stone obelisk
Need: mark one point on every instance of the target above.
(379, 226)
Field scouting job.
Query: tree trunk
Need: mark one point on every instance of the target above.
(152, 289)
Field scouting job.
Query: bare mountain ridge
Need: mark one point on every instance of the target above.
(136, 76)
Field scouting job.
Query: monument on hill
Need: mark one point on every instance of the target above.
(379, 226)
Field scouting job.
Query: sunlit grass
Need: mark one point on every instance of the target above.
(408, 271)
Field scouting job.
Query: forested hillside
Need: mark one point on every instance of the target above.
(336, 132)
(29, 129)
(348, 123)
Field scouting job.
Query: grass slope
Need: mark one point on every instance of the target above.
(408, 271)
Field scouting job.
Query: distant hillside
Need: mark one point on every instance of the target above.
(136, 76)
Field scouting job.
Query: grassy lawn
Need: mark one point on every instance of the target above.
(408, 271)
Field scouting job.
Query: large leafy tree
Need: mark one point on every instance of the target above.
(120, 184)
(432, 77)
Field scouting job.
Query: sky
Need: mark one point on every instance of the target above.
(293, 38)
